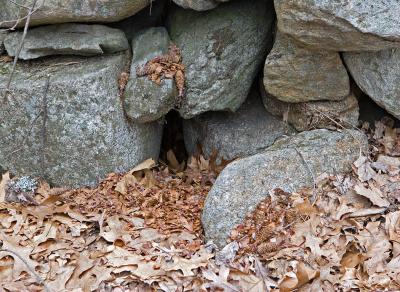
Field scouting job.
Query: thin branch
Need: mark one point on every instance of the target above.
(15, 22)
(21, 44)
(17, 4)
(314, 197)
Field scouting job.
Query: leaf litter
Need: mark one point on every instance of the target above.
(141, 231)
(167, 66)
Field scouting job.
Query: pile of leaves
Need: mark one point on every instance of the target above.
(168, 66)
(141, 231)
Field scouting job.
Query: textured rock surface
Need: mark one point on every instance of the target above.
(351, 25)
(67, 39)
(77, 132)
(310, 115)
(248, 131)
(199, 5)
(378, 75)
(222, 50)
(60, 11)
(246, 182)
(144, 100)
(294, 73)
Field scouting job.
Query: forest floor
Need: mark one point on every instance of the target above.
(141, 231)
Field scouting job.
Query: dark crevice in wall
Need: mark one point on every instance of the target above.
(369, 110)
(173, 137)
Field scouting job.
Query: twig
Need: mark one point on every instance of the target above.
(38, 278)
(326, 115)
(21, 44)
(150, 6)
(18, 20)
(314, 197)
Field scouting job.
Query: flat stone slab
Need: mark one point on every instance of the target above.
(67, 39)
(61, 11)
(304, 116)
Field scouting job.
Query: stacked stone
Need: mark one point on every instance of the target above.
(78, 108)
(63, 118)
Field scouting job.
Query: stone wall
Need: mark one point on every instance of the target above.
(95, 79)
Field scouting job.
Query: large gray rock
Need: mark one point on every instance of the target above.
(60, 11)
(248, 131)
(222, 50)
(67, 39)
(285, 165)
(351, 25)
(144, 100)
(378, 75)
(294, 73)
(74, 132)
(310, 115)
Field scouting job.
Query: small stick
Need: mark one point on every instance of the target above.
(21, 44)
(314, 197)
(18, 20)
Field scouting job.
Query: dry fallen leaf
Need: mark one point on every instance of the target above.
(374, 195)
(364, 169)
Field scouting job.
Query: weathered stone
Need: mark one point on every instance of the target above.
(199, 5)
(310, 115)
(294, 73)
(151, 16)
(222, 50)
(378, 75)
(144, 100)
(285, 165)
(64, 121)
(352, 25)
(248, 131)
(67, 39)
(60, 11)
